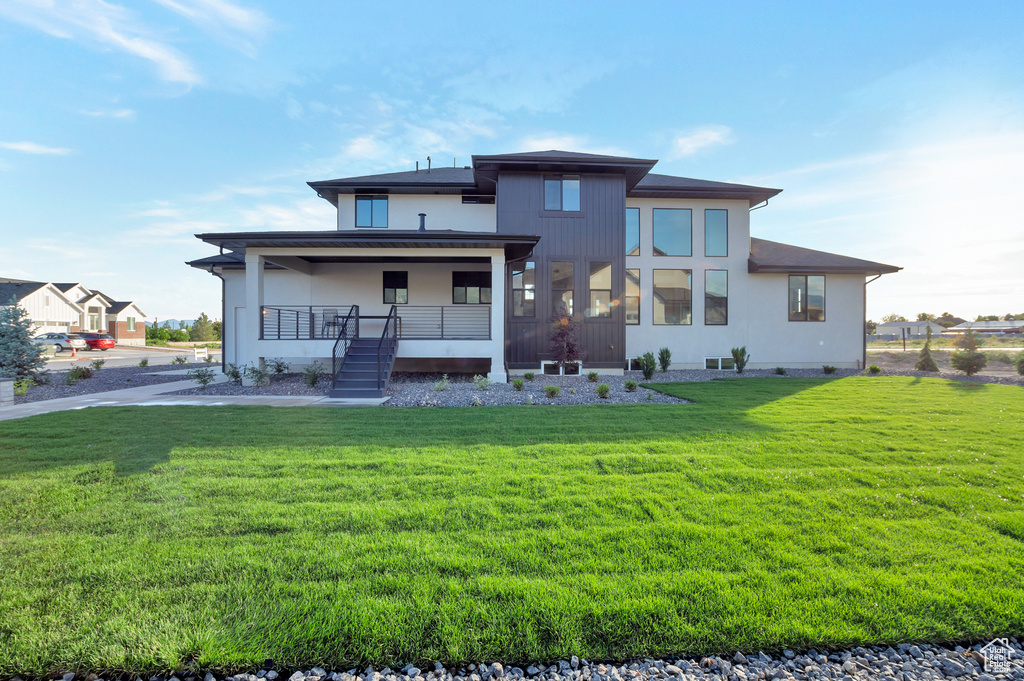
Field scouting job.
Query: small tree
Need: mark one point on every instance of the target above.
(664, 359)
(968, 341)
(968, 359)
(202, 330)
(20, 357)
(925, 362)
(218, 330)
(740, 357)
(870, 326)
(564, 343)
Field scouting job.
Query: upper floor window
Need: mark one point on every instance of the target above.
(562, 193)
(524, 280)
(632, 231)
(372, 211)
(600, 290)
(396, 288)
(672, 231)
(562, 287)
(632, 296)
(671, 293)
(471, 287)
(716, 232)
(807, 298)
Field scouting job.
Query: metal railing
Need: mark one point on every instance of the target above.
(303, 322)
(387, 347)
(347, 329)
(444, 322)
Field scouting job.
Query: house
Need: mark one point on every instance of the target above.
(71, 307)
(909, 329)
(460, 269)
(989, 327)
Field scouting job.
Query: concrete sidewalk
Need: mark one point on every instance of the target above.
(156, 396)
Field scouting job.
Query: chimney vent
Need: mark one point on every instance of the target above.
(423, 222)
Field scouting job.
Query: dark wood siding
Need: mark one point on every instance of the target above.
(596, 234)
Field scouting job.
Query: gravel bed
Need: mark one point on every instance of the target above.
(103, 380)
(902, 662)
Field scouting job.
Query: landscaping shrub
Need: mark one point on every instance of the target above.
(968, 362)
(925, 361)
(552, 391)
(144, 362)
(603, 391)
(630, 386)
(740, 358)
(443, 384)
(77, 373)
(518, 384)
(257, 375)
(209, 359)
(179, 359)
(311, 374)
(202, 375)
(999, 356)
(780, 371)
(828, 369)
(1020, 363)
(647, 365)
(21, 386)
(592, 376)
(233, 372)
(564, 343)
(874, 369)
(664, 359)
(481, 382)
(529, 376)
(97, 364)
(277, 366)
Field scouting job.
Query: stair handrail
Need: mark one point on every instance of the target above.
(349, 329)
(388, 341)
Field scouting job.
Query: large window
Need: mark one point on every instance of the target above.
(131, 323)
(716, 232)
(562, 193)
(524, 288)
(807, 298)
(672, 231)
(632, 231)
(396, 288)
(372, 211)
(672, 294)
(600, 290)
(716, 297)
(561, 286)
(632, 296)
(471, 288)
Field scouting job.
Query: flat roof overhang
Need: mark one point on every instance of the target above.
(488, 167)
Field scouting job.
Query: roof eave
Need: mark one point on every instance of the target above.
(757, 268)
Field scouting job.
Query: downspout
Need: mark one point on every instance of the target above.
(864, 316)
(223, 320)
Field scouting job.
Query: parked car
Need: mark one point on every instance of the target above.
(98, 341)
(61, 341)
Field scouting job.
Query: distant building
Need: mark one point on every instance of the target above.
(909, 329)
(1001, 326)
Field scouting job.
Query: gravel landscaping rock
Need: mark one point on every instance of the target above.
(106, 379)
(872, 662)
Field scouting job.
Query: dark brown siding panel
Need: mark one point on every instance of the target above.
(596, 233)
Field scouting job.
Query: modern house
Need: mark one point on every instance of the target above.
(71, 307)
(909, 329)
(461, 269)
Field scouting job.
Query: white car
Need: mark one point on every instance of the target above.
(61, 341)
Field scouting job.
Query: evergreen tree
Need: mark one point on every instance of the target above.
(19, 356)
(968, 359)
(925, 362)
(564, 342)
(202, 329)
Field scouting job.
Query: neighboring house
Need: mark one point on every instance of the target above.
(1001, 326)
(460, 269)
(909, 329)
(67, 307)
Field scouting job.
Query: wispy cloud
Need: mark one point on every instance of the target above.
(33, 148)
(118, 113)
(692, 142)
(106, 25)
(304, 214)
(232, 24)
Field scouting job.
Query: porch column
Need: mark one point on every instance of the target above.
(253, 304)
(498, 319)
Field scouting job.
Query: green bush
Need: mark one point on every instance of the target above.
(21, 386)
(97, 364)
(552, 391)
(518, 384)
(740, 358)
(178, 336)
(630, 386)
(203, 376)
(311, 374)
(828, 369)
(443, 384)
(968, 362)
(179, 359)
(481, 382)
(780, 371)
(144, 362)
(664, 359)
(925, 361)
(1020, 363)
(874, 369)
(647, 365)
(276, 365)
(529, 375)
(603, 391)
(257, 375)
(77, 373)
(592, 376)
(233, 372)
(999, 356)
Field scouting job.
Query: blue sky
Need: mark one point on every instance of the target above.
(895, 129)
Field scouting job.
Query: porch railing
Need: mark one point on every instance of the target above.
(444, 322)
(412, 322)
(387, 347)
(303, 322)
(348, 329)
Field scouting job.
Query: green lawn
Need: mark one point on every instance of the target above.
(770, 513)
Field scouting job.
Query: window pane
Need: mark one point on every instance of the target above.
(523, 278)
(816, 299)
(672, 296)
(672, 234)
(711, 363)
(632, 296)
(473, 294)
(716, 232)
(363, 212)
(716, 297)
(561, 275)
(459, 294)
(560, 299)
(485, 294)
(389, 295)
(401, 296)
(380, 212)
(601, 275)
(728, 363)
(552, 195)
(797, 299)
(571, 193)
(632, 231)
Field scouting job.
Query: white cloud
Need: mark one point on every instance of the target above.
(118, 113)
(33, 148)
(691, 143)
(229, 23)
(304, 214)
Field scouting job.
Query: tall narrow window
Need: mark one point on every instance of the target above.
(716, 232)
(672, 231)
(807, 298)
(471, 288)
(561, 286)
(562, 193)
(372, 211)
(600, 290)
(716, 297)
(396, 288)
(632, 296)
(632, 231)
(131, 323)
(524, 288)
(672, 295)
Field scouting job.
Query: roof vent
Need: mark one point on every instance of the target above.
(423, 222)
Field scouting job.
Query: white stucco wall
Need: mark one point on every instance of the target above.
(443, 212)
(49, 310)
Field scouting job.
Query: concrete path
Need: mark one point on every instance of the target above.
(156, 396)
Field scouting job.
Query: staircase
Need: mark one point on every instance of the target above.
(358, 377)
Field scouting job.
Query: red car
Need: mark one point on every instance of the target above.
(97, 341)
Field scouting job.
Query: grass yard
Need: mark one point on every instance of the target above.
(770, 513)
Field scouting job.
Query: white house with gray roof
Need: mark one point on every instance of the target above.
(462, 269)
